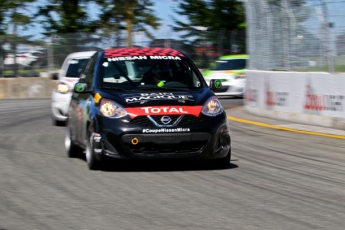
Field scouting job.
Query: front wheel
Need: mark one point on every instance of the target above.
(222, 162)
(72, 150)
(92, 162)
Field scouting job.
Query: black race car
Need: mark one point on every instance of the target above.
(146, 103)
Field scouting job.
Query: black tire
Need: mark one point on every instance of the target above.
(72, 150)
(58, 123)
(92, 162)
(222, 162)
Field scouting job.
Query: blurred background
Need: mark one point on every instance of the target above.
(288, 35)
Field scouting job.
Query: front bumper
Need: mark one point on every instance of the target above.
(207, 139)
(59, 105)
(233, 87)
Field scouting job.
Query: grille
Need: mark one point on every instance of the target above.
(151, 148)
(188, 119)
(158, 119)
(141, 120)
(145, 121)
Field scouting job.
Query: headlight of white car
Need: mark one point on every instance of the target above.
(112, 109)
(62, 87)
(212, 107)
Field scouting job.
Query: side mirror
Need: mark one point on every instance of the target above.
(54, 76)
(81, 87)
(215, 85)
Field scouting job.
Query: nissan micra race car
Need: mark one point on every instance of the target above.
(146, 103)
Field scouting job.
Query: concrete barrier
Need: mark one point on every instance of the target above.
(28, 87)
(307, 98)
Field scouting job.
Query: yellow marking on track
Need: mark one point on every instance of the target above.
(284, 129)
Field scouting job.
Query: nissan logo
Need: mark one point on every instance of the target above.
(165, 120)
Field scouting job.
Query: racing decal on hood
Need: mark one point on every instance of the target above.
(144, 97)
(164, 110)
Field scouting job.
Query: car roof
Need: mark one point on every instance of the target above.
(235, 56)
(81, 54)
(142, 51)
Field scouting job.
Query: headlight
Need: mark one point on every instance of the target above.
(62, 87)
(212, 107)
(111, 109)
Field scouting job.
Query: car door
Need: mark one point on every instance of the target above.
(84, 100)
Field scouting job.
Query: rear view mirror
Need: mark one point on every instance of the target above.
(215, 85)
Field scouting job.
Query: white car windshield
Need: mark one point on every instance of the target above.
(231, 64)
(76, 66)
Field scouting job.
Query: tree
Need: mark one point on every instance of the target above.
(3, 10)
(215, 15)
(66, 16)
(209, 23)
(12, 12)
(131, 15)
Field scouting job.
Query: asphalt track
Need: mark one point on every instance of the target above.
(277, 180)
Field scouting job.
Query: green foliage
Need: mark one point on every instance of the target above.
(291, 3)
(215, 15)
(11, 12)
(131, 15)
(66, 16)
(3, 9)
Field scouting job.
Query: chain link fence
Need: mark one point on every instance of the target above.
(18, 58)
(289, 35)
(296, 35)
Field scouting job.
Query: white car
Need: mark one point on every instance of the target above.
(68, 76)
(230, 69)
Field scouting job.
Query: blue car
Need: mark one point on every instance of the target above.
(146, 103)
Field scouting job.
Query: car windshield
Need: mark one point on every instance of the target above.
(147, 73)
(231, 64)
(76, 66)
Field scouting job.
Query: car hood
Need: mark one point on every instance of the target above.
(158, 98)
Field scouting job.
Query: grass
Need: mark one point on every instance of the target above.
(27, 72)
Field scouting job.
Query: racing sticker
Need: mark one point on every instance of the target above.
(144, 97)
(166, 130)
(164, 110)
(97, 97)
(132, 58)
(140, 52)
